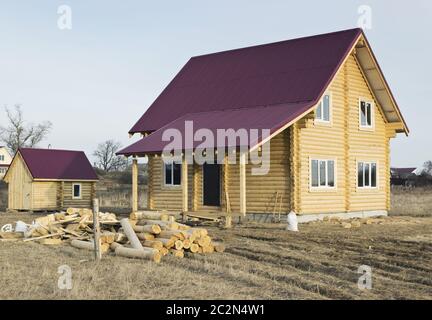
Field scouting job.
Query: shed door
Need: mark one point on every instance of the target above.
(26, 196)
(211, 185)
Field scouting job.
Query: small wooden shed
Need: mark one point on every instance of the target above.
(47, 179)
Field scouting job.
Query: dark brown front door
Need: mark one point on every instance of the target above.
(211, 185)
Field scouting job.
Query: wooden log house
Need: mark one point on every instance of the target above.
(48, 179)
(330, 113)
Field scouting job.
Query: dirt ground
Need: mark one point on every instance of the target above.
(261, 262)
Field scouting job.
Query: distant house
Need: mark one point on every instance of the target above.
(46, 179)
(327, 107)
(5, 160)
(400, 176)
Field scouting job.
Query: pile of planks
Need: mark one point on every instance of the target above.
(146, 234)
(153, 235)
(56, 228)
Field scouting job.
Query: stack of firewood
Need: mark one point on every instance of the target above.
(158, 234)
(146, 234)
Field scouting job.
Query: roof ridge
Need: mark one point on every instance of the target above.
(48, 149)
(277, 42)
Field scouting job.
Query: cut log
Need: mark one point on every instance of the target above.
(145, 236)
(89, 245)
(51, 241)
(70, 211)
(129, 232)
(208, 249)
(115, 245)
(178, 245)
(168, 243)
(107, 237)
(164, 251)
(165, 225)
(204, 241)
(186, 244)
(202, 232)
(145, 253)
(194, 248)
(172, 233)
(219, 246)
(151, 228)
(152, 215)
(177, 253)
(191, 233)
(182, 226)
(155, 244)
(120, 237)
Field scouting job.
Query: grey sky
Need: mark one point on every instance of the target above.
(94, 81)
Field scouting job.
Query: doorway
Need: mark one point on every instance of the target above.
(211, 185)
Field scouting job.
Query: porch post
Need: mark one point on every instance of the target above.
(134, 185)
(184, 183)
(243, 183)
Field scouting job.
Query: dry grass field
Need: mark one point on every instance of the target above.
(261, 262)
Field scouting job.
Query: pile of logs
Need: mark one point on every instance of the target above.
(146, 235)
(152, 235)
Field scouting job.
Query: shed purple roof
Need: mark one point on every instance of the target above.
(58, 164)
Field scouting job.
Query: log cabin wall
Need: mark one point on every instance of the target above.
(87, 194)
(344, 141)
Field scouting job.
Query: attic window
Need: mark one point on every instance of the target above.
(76, 191)
(366, 114)
(1, 157)
(323, 109)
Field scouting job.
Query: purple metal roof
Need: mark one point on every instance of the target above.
(261, 87)
(58, 164)
(283, 72)
(272, 118)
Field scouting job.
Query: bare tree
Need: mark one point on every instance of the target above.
(427, 168)
(18, 134)
(107, 160)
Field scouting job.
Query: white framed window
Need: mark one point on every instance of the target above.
(2, 170)
(367, 174)
(76, 191)
(172, 173)
(323, 173)
(366, 114)
(2, 157)
(323, 111)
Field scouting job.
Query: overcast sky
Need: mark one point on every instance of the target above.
(94, 81)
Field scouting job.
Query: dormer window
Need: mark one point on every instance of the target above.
(324, 109)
